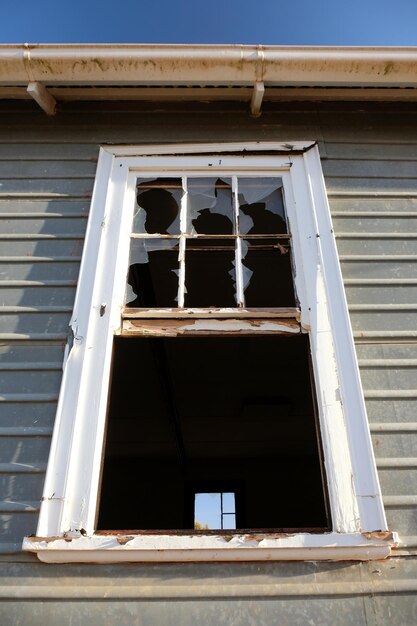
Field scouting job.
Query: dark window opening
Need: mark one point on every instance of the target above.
(153, 277)
(264, 258)
(210, 276)
(203, 415)
(158, 206)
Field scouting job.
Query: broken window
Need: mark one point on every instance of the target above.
(210, 242)
(232, 405)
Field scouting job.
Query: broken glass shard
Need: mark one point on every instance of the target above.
(158, 206)
(261, 206)
(210, 275)
(210, 206)
(246, 271)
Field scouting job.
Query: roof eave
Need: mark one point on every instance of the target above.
(184, 72)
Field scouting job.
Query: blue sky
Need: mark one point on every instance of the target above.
(293, 22)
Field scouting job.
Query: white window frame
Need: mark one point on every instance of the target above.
(68, 511)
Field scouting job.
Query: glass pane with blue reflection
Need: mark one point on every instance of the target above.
(214, 511)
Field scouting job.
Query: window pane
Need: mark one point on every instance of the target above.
(158, 204)
(228, 503)
(153, 273)
(210, 206)
(207, 511)
(229, 521)
(261, 206)
(210, 276)
(267, 273)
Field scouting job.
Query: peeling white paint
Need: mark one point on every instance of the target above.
(239, 547)
(239, 325)
(179, 327)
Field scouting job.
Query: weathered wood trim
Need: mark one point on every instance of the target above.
(238, 547)
(212, 327)
(132, 313)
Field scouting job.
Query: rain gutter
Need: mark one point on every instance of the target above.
(210, 66)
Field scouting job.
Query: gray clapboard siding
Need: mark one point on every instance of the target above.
(34, 411)
(36, 320)
(39, 268)
(397, 480)
(392, 409)
(22, 380)
(375, 186)
(31, 206)
(47, 151)
(22, 488)
(387, 371)
(375, 222)
(377, 244)
(403, 517)
(393, 445)
(241, 594)
(36, 246)
(369, 160)
(19, 523)
(50, 187)
(365, 204)
(37, 296)
(47, 169)
(383, 318)
(24, 450)
(395, 377)
(44, 224)
(38, 293)
(372, 151)
(370, 291)
(369, 168)
(361, 266)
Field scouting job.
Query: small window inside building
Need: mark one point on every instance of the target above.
(214, 511)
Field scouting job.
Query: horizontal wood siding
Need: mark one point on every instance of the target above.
(47, 168)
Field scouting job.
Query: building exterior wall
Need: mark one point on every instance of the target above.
(47, 168)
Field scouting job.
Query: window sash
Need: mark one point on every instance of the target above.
(185, 237)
